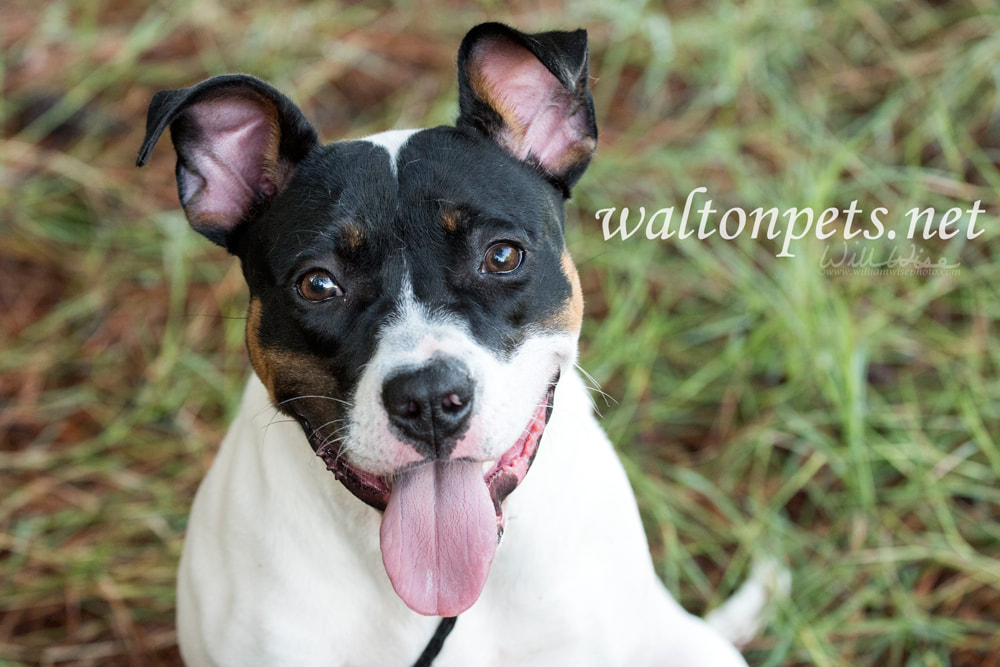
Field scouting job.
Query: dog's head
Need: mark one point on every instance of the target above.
(412, 302)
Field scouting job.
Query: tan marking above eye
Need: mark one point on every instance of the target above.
(502, 257)
(450, 219)
(353, 236)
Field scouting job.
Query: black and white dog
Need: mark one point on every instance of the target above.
(414, 311)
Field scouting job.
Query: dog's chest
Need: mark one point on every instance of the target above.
(306, 579)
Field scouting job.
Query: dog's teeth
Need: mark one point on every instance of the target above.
(488, 465)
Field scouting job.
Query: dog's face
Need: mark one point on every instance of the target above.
(411, 300)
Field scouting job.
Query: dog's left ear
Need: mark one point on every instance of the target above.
(531, 95)
(238, 143)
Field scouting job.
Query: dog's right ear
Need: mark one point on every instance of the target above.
(238, 142)
(531, 95)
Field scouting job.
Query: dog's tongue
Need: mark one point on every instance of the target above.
(439, 532)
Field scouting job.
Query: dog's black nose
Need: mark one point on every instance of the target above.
(430, 405)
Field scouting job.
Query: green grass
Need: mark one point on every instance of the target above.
(849, 424)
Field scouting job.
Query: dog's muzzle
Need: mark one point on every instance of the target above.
(442, 518)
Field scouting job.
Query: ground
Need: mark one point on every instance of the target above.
(843, 418)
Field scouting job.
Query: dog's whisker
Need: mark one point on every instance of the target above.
(593, 386)
(327, 442)
(344, 424)
(331, 438)
(590, 378)
(264, 409)
(316, 396)
(339, 453)
(273, 419)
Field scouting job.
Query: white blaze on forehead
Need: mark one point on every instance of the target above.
(415, 334)
(392, 141)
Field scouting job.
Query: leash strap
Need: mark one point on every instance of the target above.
(437, 642)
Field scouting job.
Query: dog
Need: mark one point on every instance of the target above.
(414, 315)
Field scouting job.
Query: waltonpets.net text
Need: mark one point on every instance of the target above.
(792, 224)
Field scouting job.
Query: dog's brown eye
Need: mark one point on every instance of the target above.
(319, 286)
(502, 258)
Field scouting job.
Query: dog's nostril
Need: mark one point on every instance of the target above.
(452, 402)
(412, 409)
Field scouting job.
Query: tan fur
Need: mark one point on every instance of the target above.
(449, 220)
(353, 235)
(258, 359)
(570, 318)
(578, 152)
(276, 367)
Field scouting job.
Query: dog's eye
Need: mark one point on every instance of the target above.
(502, 258)
(318, 286)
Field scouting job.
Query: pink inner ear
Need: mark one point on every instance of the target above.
(544, 122)
(233, 154)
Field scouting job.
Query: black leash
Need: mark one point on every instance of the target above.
(437, 641)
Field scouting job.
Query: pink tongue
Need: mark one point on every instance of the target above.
(439, 532)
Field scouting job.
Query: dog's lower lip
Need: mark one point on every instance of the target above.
(371, 489)
(502, 476)
(508, 472)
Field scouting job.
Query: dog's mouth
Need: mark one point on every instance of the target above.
(442, 520)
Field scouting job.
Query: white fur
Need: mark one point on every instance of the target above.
(740, 618)
(508, 391)
(392, 141)
(282, 565)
